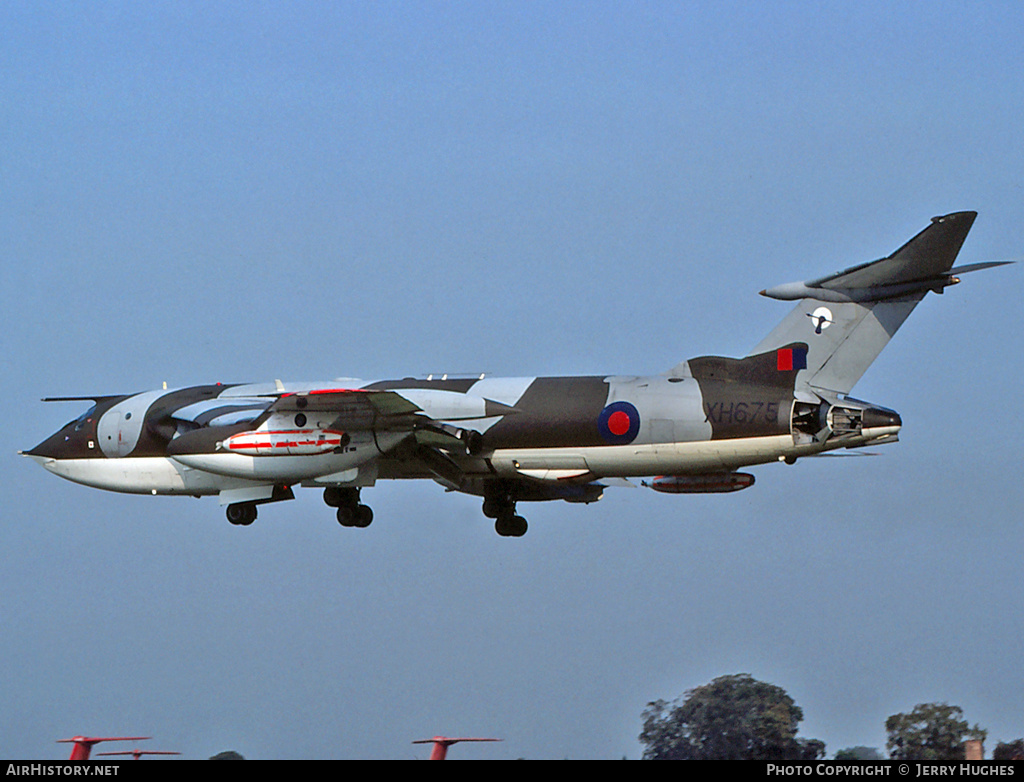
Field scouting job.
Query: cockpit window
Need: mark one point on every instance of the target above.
(84, 418)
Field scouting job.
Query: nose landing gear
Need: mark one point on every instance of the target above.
(241, 514)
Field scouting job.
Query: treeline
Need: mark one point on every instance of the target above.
(738, 717)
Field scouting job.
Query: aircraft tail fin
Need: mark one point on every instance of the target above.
(847, 318)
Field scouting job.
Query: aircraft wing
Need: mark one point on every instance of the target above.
(403, 408)
(355, 408)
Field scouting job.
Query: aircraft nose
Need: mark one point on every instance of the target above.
(50, 448)
(71, 442)
(46, 462)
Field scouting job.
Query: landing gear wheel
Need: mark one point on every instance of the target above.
(241, 514)
(474, 442)
(494, 507)
(364, 515)
(355, 515)
(510, 526)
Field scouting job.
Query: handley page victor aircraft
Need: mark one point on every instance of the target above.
(513, 440)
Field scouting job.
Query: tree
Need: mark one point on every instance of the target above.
(859, 753)
(228, 755)
(932, 731)
(732, 718)
(1009, 750)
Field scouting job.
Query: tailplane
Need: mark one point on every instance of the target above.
(847, 318)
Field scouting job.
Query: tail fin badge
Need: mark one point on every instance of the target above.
(822, 318)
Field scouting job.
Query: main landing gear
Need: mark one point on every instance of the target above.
(242, 514)
(351, 512)
(503, 510)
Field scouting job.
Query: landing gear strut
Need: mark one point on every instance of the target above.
(351, 512)
(503, 510)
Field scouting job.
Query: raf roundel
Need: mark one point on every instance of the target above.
(619, 423)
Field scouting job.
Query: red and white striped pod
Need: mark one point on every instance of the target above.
(285, 442)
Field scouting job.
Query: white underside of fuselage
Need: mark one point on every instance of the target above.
(217, 473)
(634, 461)
(142, 475)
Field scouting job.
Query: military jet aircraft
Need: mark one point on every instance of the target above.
(512, 440)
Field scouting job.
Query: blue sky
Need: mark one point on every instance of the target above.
(236, 192)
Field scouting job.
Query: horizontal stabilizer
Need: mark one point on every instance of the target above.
(977, 267)
(95, 398)
(928, 254)
(923, 264)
